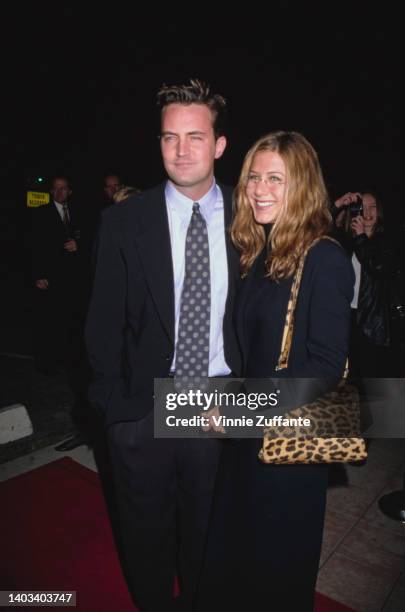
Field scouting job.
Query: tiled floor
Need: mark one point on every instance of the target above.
(363, 554)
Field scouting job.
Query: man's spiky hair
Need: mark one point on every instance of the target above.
(196, 92)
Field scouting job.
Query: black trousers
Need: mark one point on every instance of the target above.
(265, 534)
(164, 491)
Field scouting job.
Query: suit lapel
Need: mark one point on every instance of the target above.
(231, 253)
(242, 300)
(154, 249)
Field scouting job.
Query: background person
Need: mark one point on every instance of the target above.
(57, 278)
(374, 343)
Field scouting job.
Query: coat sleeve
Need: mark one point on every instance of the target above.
(329, 292)
(105, 323)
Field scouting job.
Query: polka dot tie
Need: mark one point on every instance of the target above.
(193, 343)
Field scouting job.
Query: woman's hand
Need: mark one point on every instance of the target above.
(357, 225)
(209, 416)
(347, 199)
(70, 246)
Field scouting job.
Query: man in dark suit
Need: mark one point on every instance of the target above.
(143, 315)
(56, 276)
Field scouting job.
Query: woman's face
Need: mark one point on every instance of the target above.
(266, 186)
(370, 214)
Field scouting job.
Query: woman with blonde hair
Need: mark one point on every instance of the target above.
(124, 193)
(269, 518)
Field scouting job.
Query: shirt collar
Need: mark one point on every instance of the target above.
(182, 205)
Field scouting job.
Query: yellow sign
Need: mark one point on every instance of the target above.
(37, 198)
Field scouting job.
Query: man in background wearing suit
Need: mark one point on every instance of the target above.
(56, 275)
(141, 320)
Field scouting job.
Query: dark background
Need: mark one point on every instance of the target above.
(79, 86)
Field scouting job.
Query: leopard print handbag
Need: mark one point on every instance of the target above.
(337, 411)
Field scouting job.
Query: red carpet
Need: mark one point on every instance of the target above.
(55, 535)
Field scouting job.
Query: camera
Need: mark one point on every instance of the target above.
(356, 208)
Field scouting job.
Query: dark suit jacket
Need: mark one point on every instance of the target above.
(131, 320)
(49, 234)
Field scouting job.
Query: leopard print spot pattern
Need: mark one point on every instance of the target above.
(316, 450)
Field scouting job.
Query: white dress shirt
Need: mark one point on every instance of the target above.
(59, 208)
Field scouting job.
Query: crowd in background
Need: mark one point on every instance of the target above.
(61, 256)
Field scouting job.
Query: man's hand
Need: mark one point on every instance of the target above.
(357, 225)
(42, 283)
(209, 414)
(71, 246)
(347, 199)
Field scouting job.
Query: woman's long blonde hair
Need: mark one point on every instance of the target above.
(303, 217)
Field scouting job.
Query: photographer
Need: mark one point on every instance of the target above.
(359, 228)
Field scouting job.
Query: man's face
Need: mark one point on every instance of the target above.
(111, 185)
(189, 147)
(60, 191)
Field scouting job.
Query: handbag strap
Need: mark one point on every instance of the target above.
(292, 303)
